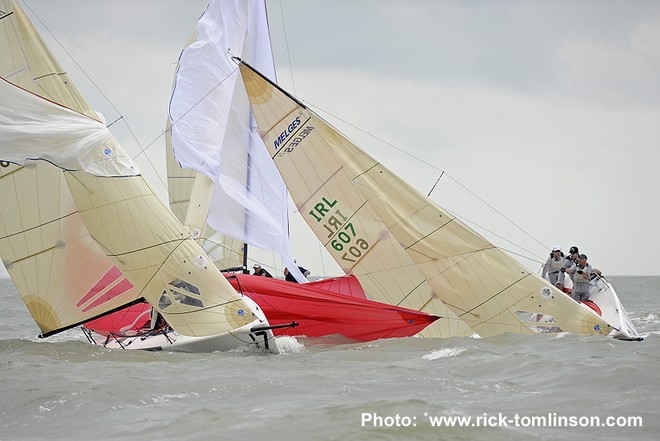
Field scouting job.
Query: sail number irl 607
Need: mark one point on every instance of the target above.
(339, 230)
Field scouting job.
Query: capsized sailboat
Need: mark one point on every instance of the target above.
(223, 184)
(374, 224)
(605, 302)
(97, 201)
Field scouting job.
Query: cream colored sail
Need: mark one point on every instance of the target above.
(157, 254)
(365, 216)
(43, 241)
(146, 242)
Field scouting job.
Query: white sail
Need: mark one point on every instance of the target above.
(213, 131)
(43, 241)
(34, 128)
(152, 249)
(365, 215)
(184, 184)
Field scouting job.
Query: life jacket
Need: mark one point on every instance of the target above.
(555, 265)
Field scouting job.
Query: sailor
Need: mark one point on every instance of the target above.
(259, 271)
(553, 265)
(289, 277)
(581, 275)
(569, 261)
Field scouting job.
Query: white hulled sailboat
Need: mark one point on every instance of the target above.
(106, 227)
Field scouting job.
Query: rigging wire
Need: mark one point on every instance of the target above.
(84, 72)
(288, 52)
(322, 250)
(98, 89)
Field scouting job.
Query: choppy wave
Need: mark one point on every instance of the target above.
(288, 344)
(320, 388)
(444, 353)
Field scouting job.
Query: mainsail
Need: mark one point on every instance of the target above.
(43, 241)
(139, 234)
(397, 241)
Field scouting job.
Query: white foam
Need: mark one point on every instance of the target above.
(651, 318)
(444, 353)
(287, 344)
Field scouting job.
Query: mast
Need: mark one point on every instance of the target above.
(246, 270)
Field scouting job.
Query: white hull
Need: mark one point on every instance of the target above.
(256, 335)
(602, 294)
(240, 338)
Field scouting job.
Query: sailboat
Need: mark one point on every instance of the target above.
(390, 236)
(225, 189)
(82, 233)
(116, 295)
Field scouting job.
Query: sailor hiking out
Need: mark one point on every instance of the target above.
(581, 273)
(552, 267)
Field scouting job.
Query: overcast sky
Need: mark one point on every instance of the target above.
(547, 111)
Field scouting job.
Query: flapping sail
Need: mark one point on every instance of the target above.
(32, 128)
(391, 237)
(185, 185)
(214, 133)
(43, 241)
(142, 238)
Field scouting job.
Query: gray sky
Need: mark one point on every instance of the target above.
(548, 111)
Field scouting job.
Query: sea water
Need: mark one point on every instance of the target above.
(511, 387)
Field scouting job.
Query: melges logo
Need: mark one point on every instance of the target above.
(285, 134)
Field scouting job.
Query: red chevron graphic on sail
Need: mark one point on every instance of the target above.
(114, 279)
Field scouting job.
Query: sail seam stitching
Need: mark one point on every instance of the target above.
(366, 171)
(321, 186)
(428, 235)
(495, 295)
(137, 250)
(38, 226)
